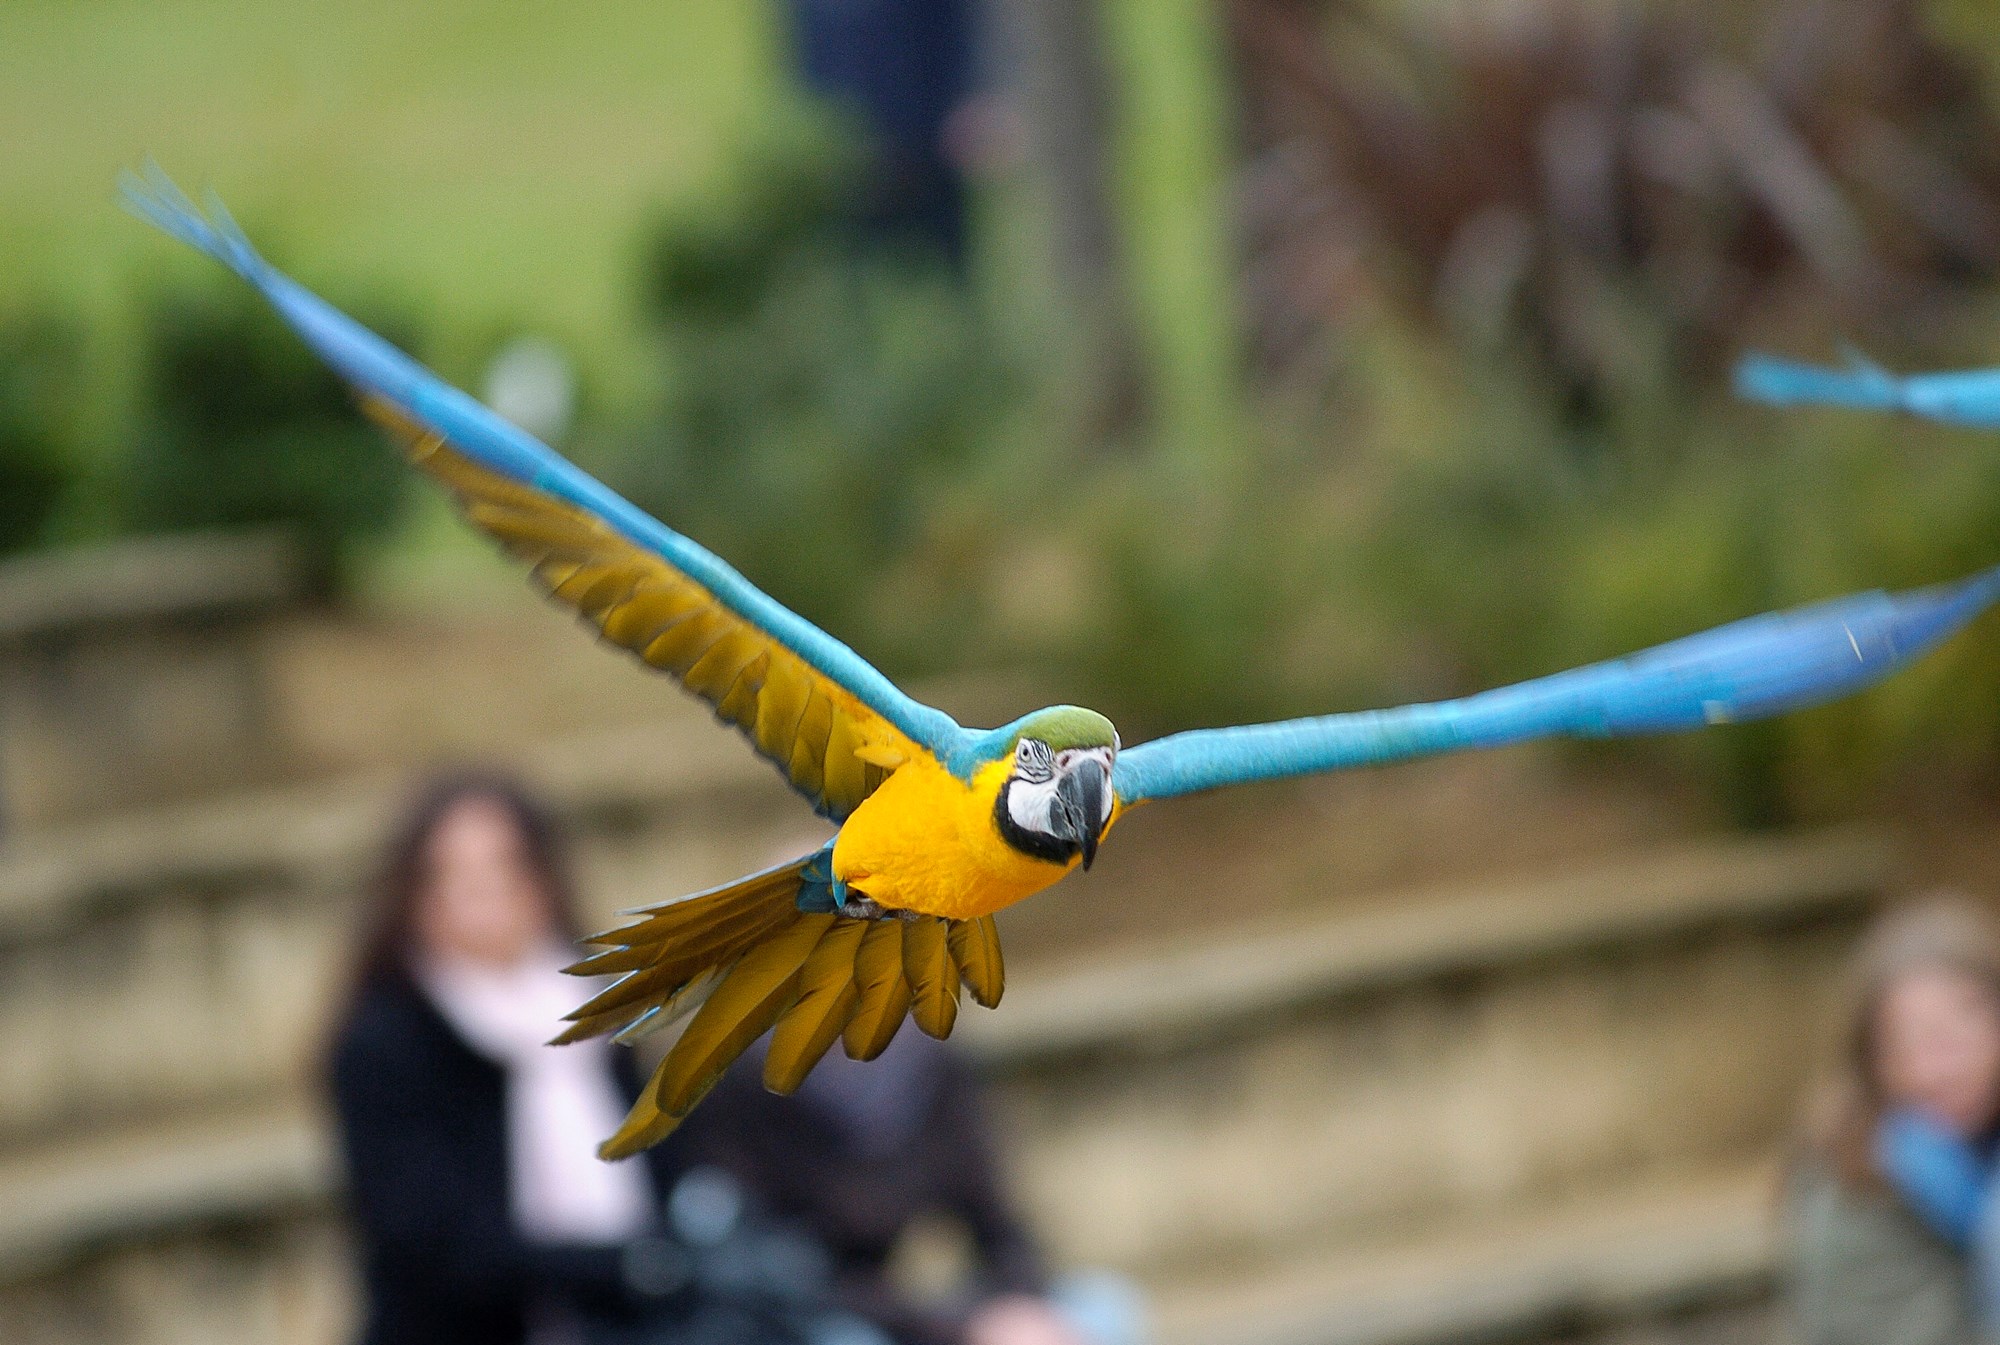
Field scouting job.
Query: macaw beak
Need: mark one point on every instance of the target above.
(1083, 803)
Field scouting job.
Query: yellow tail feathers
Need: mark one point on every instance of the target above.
(975, 946)
(932, 974)
(750, 1000)
(827, 996)
(885, 992)
(746, 961)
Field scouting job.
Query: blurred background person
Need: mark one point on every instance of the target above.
(889, 1164)
(483, 1214)
(1886, 1210)
(904, 70)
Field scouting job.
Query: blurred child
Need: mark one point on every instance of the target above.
(1891, 1215)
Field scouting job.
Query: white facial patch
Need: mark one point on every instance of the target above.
(1029, 803)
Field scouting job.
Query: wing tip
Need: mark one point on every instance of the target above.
(152, 196)
(1776, 381)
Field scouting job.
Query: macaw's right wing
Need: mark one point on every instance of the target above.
(1751, 669)
(1969, 397)
(832, 724)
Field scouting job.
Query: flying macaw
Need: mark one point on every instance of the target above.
(1969, 397)
(940, 826)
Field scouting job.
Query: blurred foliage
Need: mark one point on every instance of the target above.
(1618, 193)
(819, 389)
(1498, 260)
(240, 424)
(40, 462)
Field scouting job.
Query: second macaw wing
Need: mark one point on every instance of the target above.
(832, 723)
(1750, 669)
(1969, 397)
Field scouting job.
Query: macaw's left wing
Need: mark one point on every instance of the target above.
(1750, 669)
(1970, 397)
(832, 724)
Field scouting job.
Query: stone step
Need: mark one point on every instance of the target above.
(1639, 1251)
(1438, 1060)
(1631, 1251)
(1438, 1056)
(250, 1163)
(130, 672)
(152, 960)
(1179, 991)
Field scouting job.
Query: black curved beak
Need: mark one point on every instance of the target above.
(1083, 800)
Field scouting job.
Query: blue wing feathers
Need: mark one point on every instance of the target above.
(373, 365)
(1766, 378)
(1969, 397)
(1750, 669)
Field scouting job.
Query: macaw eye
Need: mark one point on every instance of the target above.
(1033, 759)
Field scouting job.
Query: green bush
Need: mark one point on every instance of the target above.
(39, 460)
(819, 397)
(239, 424)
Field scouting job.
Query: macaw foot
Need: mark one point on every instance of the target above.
(867, 908)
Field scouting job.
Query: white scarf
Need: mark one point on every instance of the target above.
(561, 1100)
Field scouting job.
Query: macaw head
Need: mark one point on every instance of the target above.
(1056, 800)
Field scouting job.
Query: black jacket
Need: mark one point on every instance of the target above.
(423, 1130)
(857, 1205)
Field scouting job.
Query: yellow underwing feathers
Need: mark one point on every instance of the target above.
(831, 746)
(885, 993)
(750, 999)
(881, 754)
(933, 976)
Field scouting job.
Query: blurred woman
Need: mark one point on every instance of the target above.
(1890, 1207)
(482, 1212)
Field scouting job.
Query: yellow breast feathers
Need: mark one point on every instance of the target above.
(927, 841)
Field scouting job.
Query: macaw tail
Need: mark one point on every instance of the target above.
(1862, 385)
(746, 959)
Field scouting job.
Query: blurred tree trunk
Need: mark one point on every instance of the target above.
(1066, 98)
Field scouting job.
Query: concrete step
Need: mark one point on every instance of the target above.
(1641, 1251)
(251, 1163)
(1634, 1252)
(130, 672)
(1429, 1079)
(1438, 1056)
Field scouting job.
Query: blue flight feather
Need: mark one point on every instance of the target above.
(1968, 397)
(374, 366)
(1751, 669)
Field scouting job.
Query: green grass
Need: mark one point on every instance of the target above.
(493, 164)
(485, 163)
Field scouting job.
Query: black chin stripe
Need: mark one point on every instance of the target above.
(1035, 844)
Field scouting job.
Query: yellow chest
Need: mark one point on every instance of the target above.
(926, 841)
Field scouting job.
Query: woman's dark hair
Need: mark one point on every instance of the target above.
(399, 880)
(1945, 930)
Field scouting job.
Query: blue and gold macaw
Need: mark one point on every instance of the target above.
(1969, 397)
(940, 826)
